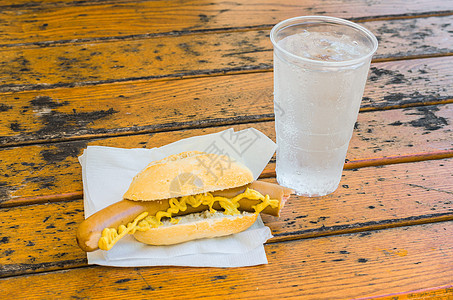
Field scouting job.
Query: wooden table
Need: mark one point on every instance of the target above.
(129, 73)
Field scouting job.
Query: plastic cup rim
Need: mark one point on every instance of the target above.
(328, 20)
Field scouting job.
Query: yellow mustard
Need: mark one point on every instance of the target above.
(110, 236)
(143, 222)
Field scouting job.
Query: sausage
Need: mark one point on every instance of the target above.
(125, 211)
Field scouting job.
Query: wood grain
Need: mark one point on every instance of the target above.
(443, 292)
(345, 266)
(133, 73)
(367, 199)
(66, 21)
(49, 169)
(131, 108)
(88, 63)
(413, 37)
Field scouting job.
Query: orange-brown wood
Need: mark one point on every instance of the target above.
(380, 137)
(366, 195)
(66, 21)
(43, 236)
(152, 106)
(444, 292)
(393, 34)
(191, 55)
(338, 267)
(128, 73)
(40, 235)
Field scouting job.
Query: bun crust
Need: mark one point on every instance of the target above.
(196, 226)
(187, 173)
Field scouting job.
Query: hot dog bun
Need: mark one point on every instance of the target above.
(125, 211)
(196, 226)
(187, 183)
(187, 173)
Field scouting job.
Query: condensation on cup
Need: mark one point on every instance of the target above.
(320, 69)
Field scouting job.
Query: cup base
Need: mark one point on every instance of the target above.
(308, 188)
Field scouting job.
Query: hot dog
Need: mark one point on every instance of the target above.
(153, 192)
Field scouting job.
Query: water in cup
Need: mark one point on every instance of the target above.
(319, 79)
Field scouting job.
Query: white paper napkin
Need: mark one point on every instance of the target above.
(107, 173)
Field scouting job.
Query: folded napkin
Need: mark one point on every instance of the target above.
(107, 173)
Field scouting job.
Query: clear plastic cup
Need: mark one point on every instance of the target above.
(320, 70)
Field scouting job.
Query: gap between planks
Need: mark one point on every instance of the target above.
(267, 173)
(11, 88)
(438, 46)
(363, 228)
(81, 264)
(219, 30)
(440, 292)
(197, 125)
(337, 206)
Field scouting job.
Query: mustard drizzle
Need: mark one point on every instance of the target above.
(110, 236)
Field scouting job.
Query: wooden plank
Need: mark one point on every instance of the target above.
(409, 35)
(40, 4)
(374, 197)
(130, 108)
(35, 23)
(345, 266)
(33, 174)
(87, 63)
(42, 238)
(444, 292)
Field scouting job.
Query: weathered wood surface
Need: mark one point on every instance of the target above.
(49, 169)
(443, 292)
(88, 63)
(128, 73)
(153, 106)
(367, 199)
(344, 266)
(65, 21)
